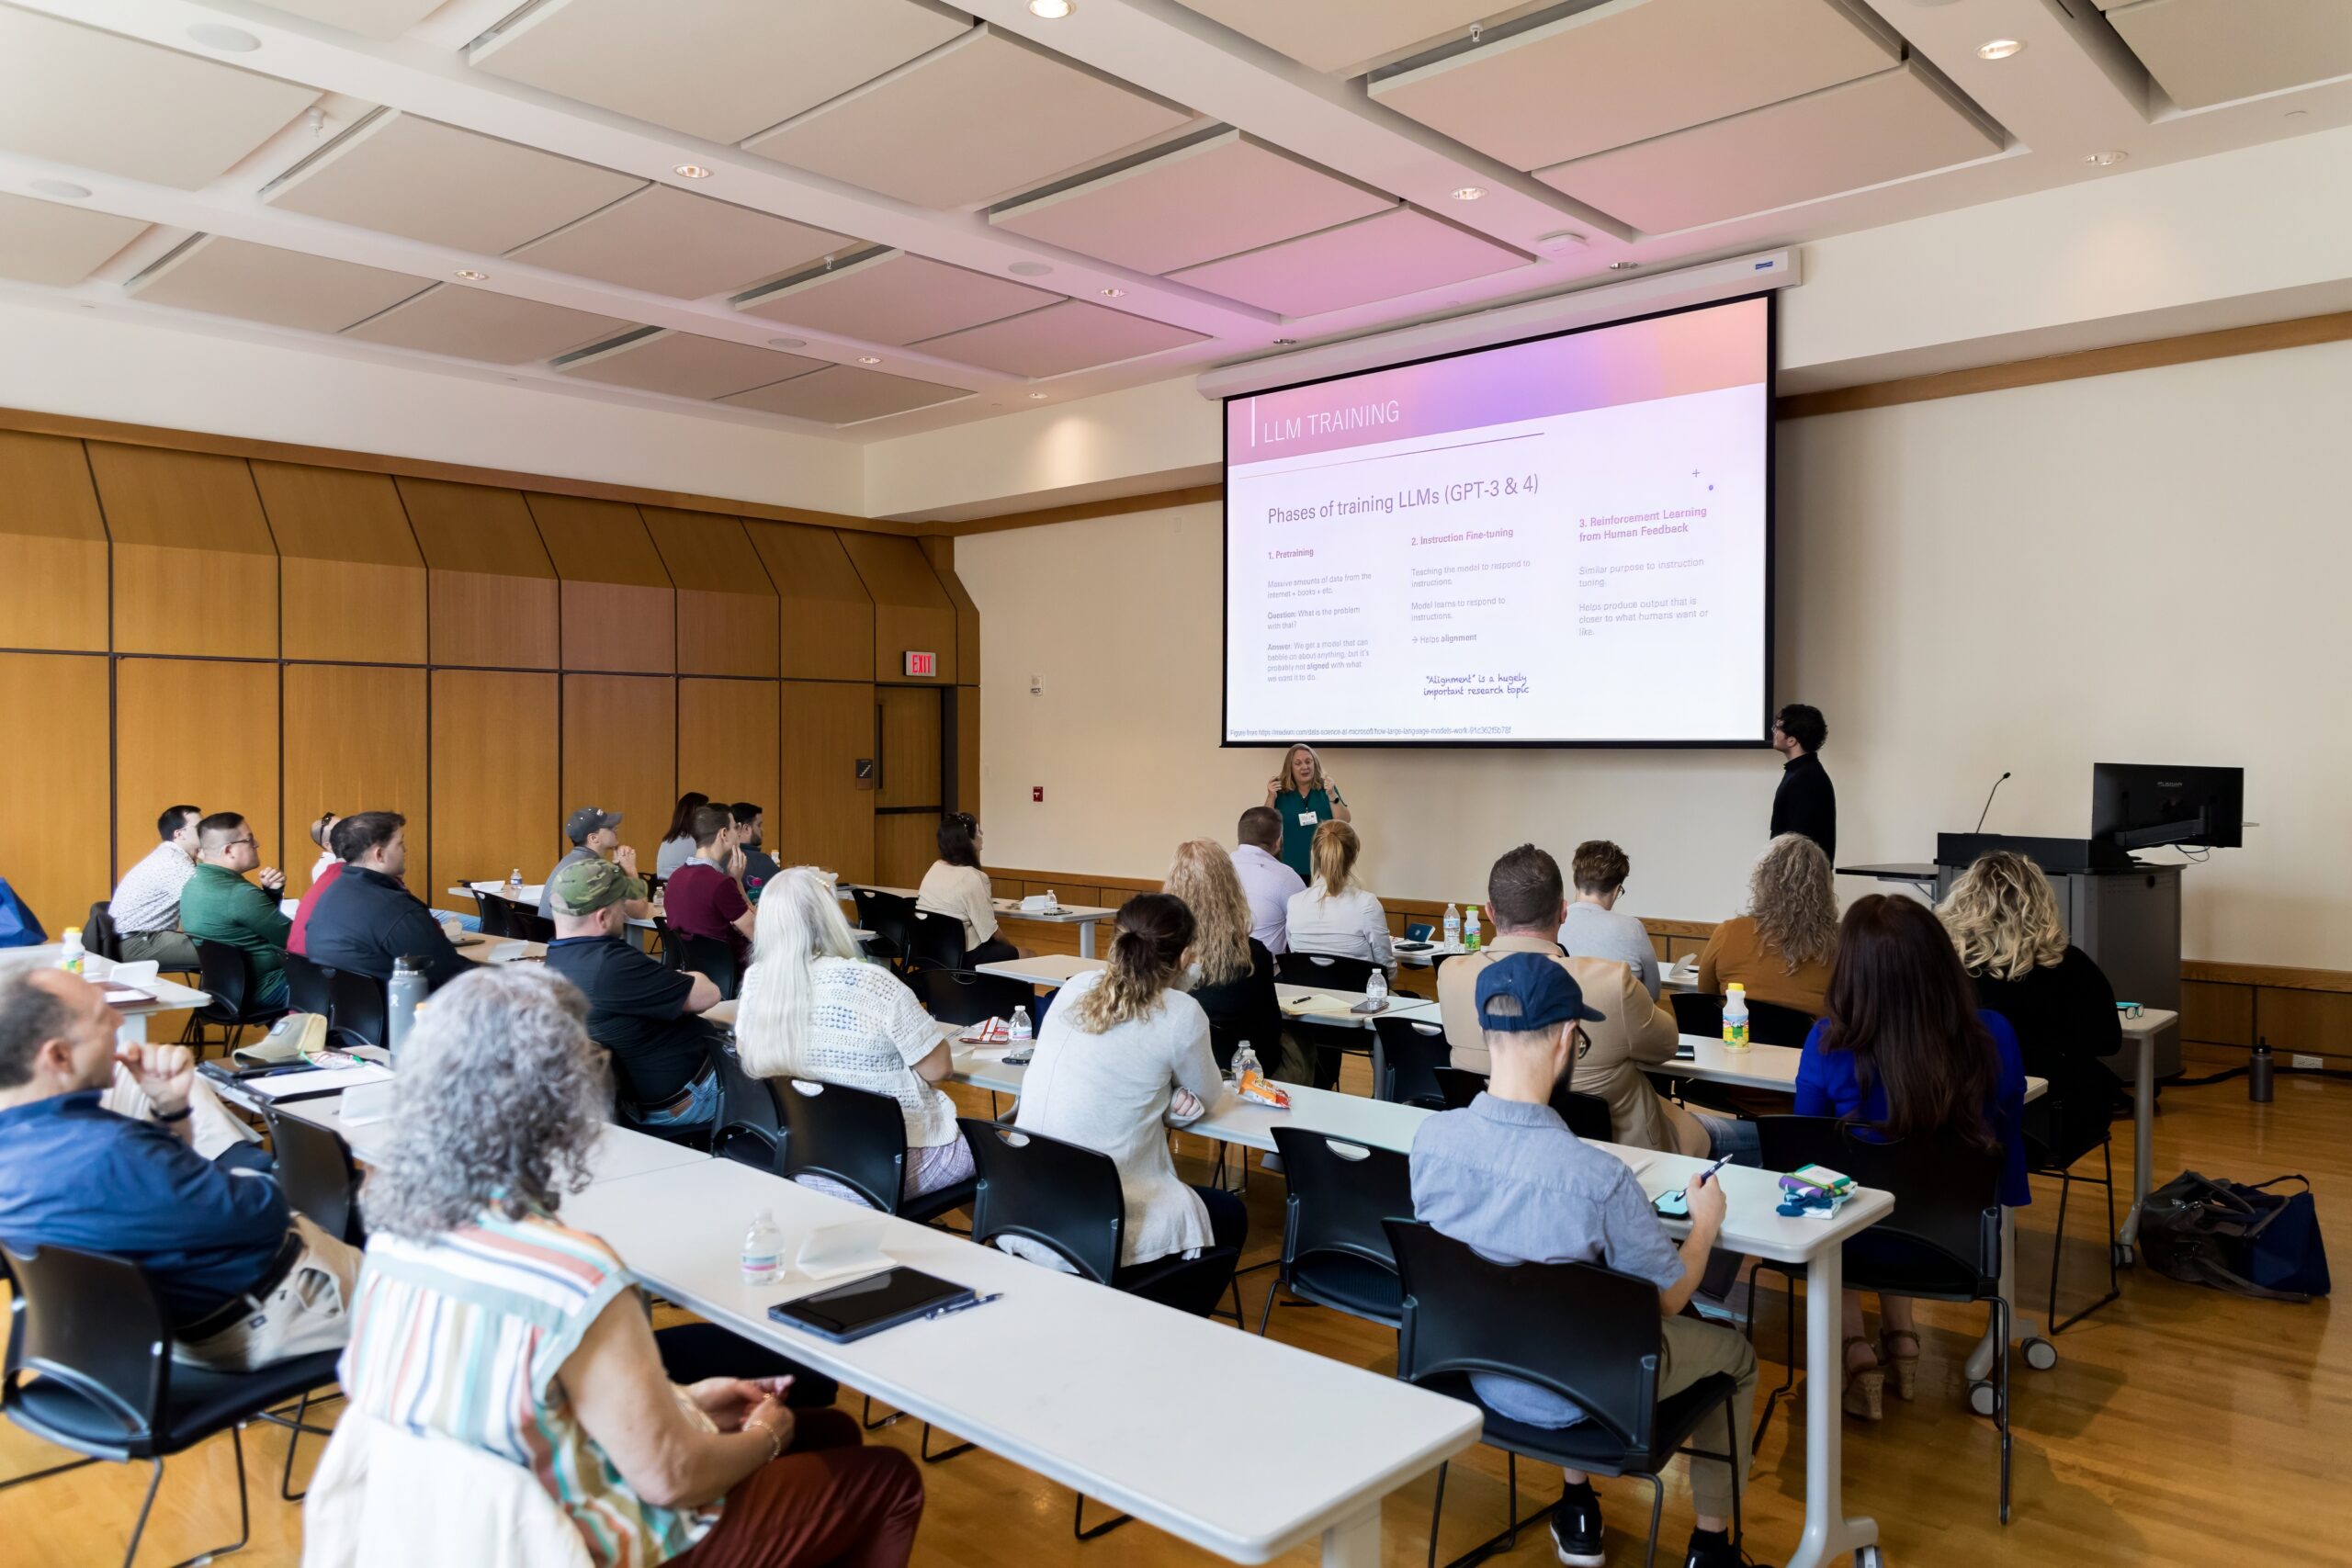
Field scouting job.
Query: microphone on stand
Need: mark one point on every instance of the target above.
(1988, 802)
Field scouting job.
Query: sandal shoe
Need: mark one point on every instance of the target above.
(1865, 1386)
(1906, 1367)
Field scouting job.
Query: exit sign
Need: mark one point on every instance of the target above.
(922, 664)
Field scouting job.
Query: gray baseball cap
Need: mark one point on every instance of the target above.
(586, 820)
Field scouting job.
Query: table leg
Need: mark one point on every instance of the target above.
(1354, 1542)
(1086, 939)
(1828, 1533)
(2144, 1136)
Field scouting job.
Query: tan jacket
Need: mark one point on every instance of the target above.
(1633, 1030)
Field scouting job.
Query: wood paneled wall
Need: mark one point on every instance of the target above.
(280, 638)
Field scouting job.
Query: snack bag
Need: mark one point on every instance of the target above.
(1259, 1089)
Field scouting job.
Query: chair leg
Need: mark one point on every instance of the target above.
(1437, 1509)
(1240, 1322)
(43, 1474)
(139, 1530)
(2001, 1313)
(2114, 1283)
(865, 1416)
(245, 1511)
(930, 1458)
(1658, 1510)
(1267, 1316)
(1731, 1463)
(2058, 1246)
(1787, 1353)
(1079, 1527)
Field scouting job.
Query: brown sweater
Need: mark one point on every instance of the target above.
(1735, 955)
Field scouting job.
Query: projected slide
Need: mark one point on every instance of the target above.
(1558, 541)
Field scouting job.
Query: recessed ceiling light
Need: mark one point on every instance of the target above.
(1469, 193)
(2105, 160)
(471, 275)
(230, 41)
(1999, 49)
(1624, 266)
(690, 171)
(1560, 240)
(1052, 10)
(1114, 294)
(1282, 341)
(869, 359)
(1037, 396)
(64, 190)
(787, 343)
(1029, 269)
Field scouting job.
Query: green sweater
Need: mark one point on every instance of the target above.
(218, 905)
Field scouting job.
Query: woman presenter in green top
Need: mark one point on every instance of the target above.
(1304, 797)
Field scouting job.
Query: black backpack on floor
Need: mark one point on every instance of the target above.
(2247, 1240)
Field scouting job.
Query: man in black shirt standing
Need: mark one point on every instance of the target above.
(1806, 802)
(644, 1014)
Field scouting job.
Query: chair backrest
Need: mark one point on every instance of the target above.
(92, 1323)
(1062, 1196)
(708, 954)
(315, 1171)
(1696, 1012)
(1327, 970)
(1460, 1086)
(1585, 1114)
(227, 977)
(1770, 1023)
(1341, 1197)
(1947, 1195)
(749, 1130)
(497, 913)
(360, 1006)
(310, 988)
(966, 996)
(933, 941)
(1438, 961)
(98, 933)
(856, 1137)
(1411, 1050)
(1466, 1314)
(532, 926)
(888, 916)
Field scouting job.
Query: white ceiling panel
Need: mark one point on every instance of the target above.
(1329, 34)
(417, 177)
(1382, 257)
(667, 240)
(717, 69)
(844, 394)
(262, 283)
(2213, 52)
(984, 115)
(82, 96)
(897, 299)
(1630, 70)
(1860, 133)
(1073, 335)
(370, 18)
(474, 323)
(48, 242)
(1209, 199)
(685, 366)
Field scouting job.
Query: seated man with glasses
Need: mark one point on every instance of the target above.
(219, 904)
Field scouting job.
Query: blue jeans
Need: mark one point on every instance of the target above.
(1741, 1140)
(701, 1106)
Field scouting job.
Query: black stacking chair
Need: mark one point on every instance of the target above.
(1326, 1043)
(708, 955)
(228, 979)
(310, 988)
(1769, 1023)
(859, 1139)
(321, 1183)
(1585, 1114)
(747, 1129)
(1335, 1241)
(498, 913)
(89, 1331)
(967, 996)
(933, 941)
(98, 933)
(361, 1006)
(2075, 1117)
(1410, 1050)
(890, 917)
(530, 925)
(1464, 1314)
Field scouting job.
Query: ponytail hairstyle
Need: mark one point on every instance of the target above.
(1333, 856)
(799, 921)
(682, 821)
(1900, 1003)
(1149, 954)
(957, 831)
(1204, 877)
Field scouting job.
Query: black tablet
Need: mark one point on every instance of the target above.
(869, 1305)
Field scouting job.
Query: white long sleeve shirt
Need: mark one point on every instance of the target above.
(1269, 885)
(1350, 925)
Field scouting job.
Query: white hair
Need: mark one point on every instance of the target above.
(799, 922)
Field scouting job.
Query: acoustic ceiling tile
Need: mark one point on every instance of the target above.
(474, 323)
(844, 394)
(416, 178)
(371, 18)
(1073, 335)
(262, 283)
(1881, 127)
(667, 240)
(1326, 35)
(687, 365)
(78, 96)
(1630, 70)
(1381, 257)
(48, 242)
(2213, 51)
(984, 116)
(897, 299)
(717, 69)
(1208, 199)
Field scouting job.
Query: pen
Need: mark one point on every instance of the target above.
(963, 1305)
(1707, 1174)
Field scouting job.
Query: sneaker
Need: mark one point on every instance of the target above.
(1712, 1549)
(1576, 1528)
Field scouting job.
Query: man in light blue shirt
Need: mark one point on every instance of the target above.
(1506, 1175)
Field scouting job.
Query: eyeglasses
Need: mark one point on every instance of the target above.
(241, 843)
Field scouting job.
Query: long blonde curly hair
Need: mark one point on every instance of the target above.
(1203, 875)
(1290, 783)
(2003, 917)
(1793, 902)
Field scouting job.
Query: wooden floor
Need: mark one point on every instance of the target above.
(2180, 1427)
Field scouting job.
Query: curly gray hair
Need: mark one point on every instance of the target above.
(500, 1100)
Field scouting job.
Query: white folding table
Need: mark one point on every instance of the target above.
(1085, 916)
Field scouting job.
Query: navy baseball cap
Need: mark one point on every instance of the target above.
(1522, 992)
(586, 820)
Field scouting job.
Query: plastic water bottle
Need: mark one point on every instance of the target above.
(1375, 986)
(403, 997)
(515, 883)
(1470, 930)
(762, 1251)
(1736, 1017)
(1452, 926)
(1020, 1027)
(1245, 1062)
(71, 958)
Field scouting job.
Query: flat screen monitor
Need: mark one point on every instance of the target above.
(1561, 541)
(2142, 805)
